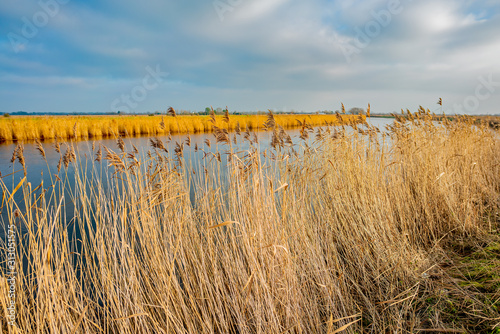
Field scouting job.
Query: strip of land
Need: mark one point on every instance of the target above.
(26, 128)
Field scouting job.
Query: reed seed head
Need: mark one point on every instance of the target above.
(171, 112)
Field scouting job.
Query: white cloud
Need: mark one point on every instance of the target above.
(265, 53)
(256, 10)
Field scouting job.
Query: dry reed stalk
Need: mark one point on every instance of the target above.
(347, 226)
(270, 121)
(57, 145)
(120, 143)
(114, 160)
(66, 158)
(19, 155)
(221, 135)
(39, 148)
(179, 149)
(226, 116)
(157, 144)
(14, 153)
(171, 112)
(212, 116)
(98, 155)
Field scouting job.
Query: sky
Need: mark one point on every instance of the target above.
(286, 55)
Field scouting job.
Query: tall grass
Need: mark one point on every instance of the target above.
(310, 239)
(23, 128)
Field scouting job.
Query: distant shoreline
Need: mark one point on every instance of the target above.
(30, 128)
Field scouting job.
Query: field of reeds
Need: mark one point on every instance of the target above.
(492, 121)
(29, 128)
(350, 230)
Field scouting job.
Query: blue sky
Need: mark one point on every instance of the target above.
(102, 56)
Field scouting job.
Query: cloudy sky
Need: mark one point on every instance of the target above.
(102, 56)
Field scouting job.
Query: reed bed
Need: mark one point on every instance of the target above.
(28, 128)
(335, 236)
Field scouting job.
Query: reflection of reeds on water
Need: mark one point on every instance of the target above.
(314, 238)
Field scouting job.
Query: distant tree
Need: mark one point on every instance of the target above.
(356, 111)
(6, 115)
(219, 110)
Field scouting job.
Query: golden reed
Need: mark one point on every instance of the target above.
(29, 128)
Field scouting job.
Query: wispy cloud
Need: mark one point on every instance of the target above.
(264, 54)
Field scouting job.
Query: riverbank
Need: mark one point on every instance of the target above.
(27, 128)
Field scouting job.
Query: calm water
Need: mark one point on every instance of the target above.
(39, 170)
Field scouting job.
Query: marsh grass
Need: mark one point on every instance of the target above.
(336, 236)
(30, 128)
